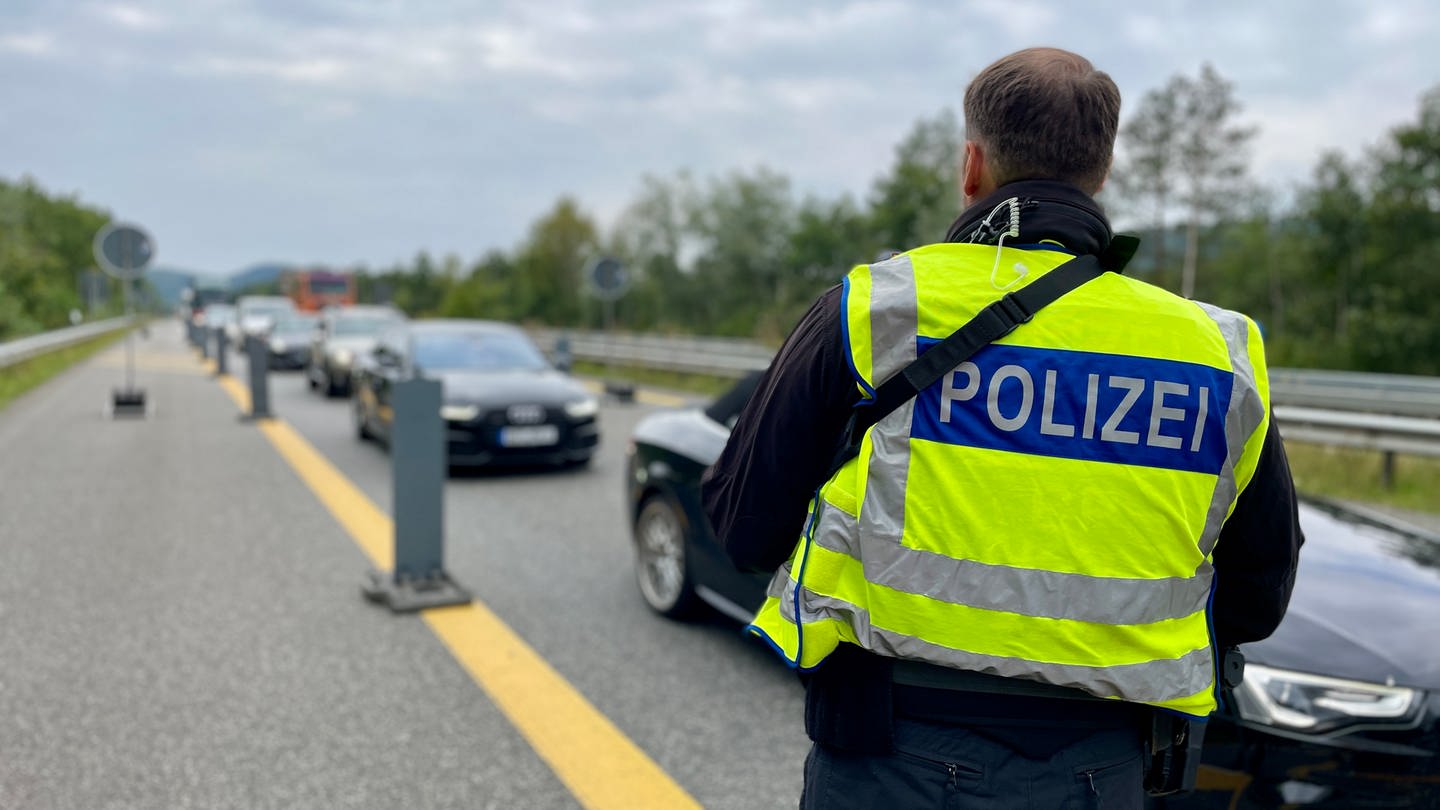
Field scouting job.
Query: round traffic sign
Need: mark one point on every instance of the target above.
(608, 278)
(123, 250)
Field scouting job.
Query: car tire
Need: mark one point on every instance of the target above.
(662, 551)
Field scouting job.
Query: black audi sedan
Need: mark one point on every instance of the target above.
(504, 404)
(1340, 708)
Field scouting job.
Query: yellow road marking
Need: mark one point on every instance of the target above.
(600, 766)
(595, 760)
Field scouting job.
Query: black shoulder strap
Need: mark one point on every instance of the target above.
(990, 324)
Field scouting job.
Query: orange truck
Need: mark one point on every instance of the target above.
(313, 290)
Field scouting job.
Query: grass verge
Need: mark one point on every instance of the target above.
(1356, 475)
(653, 378)
(17, 379)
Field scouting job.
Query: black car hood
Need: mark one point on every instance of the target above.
(689, 433)
(496, 388)
(1365, 603)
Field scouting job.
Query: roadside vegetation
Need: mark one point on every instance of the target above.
(17, 379)
(1357, 475)
(702, 384)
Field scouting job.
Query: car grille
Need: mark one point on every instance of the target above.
(525, 414)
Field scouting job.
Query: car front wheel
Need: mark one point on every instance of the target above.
(660, 559)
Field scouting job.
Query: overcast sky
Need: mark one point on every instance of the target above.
(347, 131)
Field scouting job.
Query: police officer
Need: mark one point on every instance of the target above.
(1024, 563)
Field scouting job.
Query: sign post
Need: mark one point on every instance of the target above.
(608, 281)
(124, 251)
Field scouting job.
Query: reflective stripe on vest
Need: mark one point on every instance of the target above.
(1047, 511)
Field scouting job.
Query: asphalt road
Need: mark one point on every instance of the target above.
(550, 552)
(180, 622)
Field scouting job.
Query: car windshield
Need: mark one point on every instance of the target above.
(477, 351)
(361, 326)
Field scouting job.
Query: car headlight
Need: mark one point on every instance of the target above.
(278, 346)
(459, 413)
(343, 357)
(1300, 701)
(581, 408)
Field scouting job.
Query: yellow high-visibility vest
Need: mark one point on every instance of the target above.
(1048, 510)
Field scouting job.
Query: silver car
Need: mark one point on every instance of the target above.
(345, 333)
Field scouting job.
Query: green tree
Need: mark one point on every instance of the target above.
(1396, 303)
(916, 200)
(742, 225)
(45, 243)
(549, 264)
(829, 238)
(1182, 145)
(1335, 206)
(482, 292)
(650, 238)
(1213, 159)
(1144, 174)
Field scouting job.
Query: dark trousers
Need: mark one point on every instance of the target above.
(946, 768)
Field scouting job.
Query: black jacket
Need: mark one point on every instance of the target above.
(757, 492)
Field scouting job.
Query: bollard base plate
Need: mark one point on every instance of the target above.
(410, 594)
(256, 417)
(127, 402)
(621, 390)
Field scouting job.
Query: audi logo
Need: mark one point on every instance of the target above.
(525, 414)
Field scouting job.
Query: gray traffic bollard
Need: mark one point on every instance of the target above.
(221, 352)
(203, 333)
(418, 466)
(259, 381)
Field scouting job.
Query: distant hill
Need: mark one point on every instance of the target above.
(169, 282)
(265, 274)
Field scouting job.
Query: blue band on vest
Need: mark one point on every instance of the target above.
(1080, 405)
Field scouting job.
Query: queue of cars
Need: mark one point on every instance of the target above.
(1340, 708)
(505, 403)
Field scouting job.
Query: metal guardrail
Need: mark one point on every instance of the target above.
(1370, 431)
(725, 357)
(26, 348)
(1397, 394)
(1388, 413)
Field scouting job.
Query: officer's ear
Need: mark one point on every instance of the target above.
(975, 179)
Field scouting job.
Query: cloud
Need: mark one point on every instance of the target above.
(38, 43)
(312, 71)
(131, 17)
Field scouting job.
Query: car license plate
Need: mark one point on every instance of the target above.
(530, 436)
